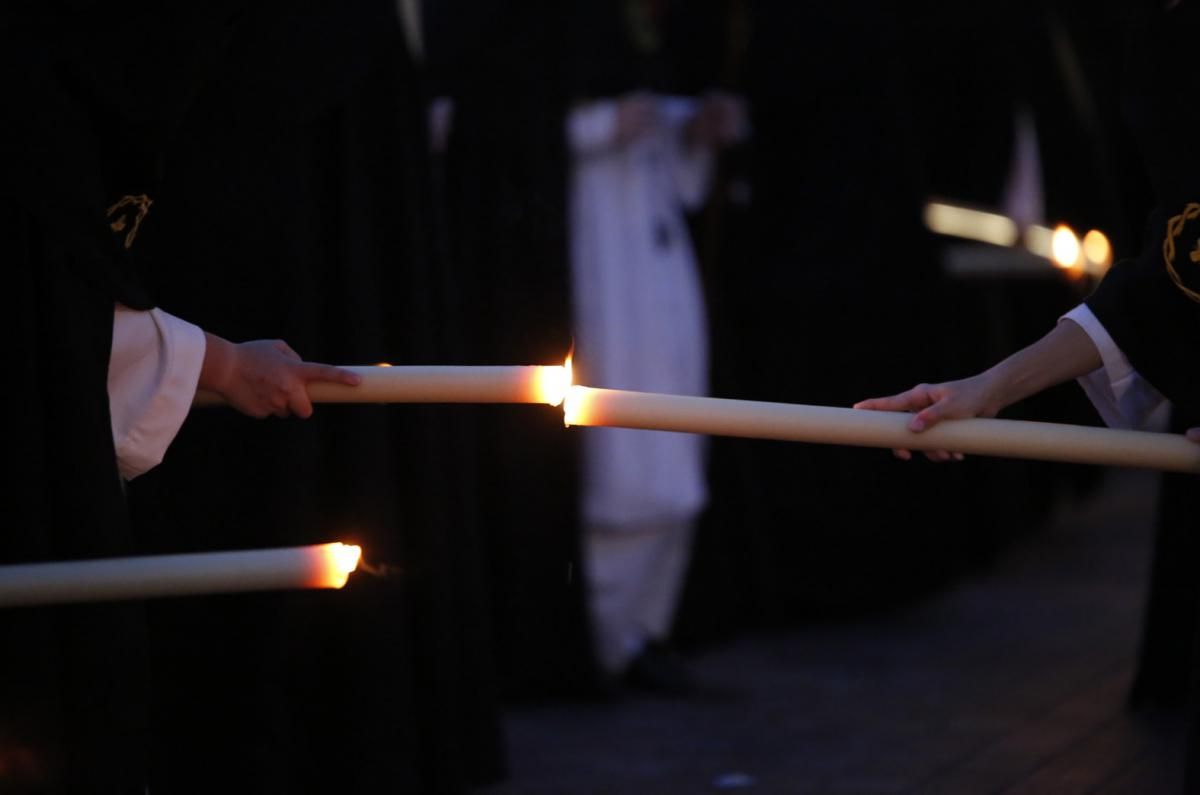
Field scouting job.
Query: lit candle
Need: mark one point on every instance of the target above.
(441, 384)
(830, 425)
(318, 566)
(1015, 250)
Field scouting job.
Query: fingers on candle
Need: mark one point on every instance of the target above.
(927, 418)
(312, 371)
(298, 402)
(892, 403)
(918, 397)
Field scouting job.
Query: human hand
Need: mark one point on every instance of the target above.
(1193, 434)
(932, 403)
(264, 377)
(636, 115)
(720, 121)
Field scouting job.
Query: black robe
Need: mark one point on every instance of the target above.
(83, 126)
(502, 214)
(295, 205)
(1157, 326)
(839, 297)
(1150, 317)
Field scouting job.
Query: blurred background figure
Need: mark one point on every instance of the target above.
(642, 139)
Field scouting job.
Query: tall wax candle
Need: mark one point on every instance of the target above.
(830, 425)
(441, 384)
(318, 566)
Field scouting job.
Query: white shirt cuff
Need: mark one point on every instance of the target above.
(1123, 398)
(152, 377)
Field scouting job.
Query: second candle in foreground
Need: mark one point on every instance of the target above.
(1042, 441)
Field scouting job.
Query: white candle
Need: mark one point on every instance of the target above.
(829, 425)
(441, 384)
(318, 566)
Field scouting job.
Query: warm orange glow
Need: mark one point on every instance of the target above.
(553, 382)
(338, 562)
(1097, 249)
(383, 364)
(575, 405)
(1064, 247)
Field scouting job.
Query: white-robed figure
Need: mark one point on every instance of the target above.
(640, 324)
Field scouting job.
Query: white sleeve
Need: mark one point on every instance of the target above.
(592, 127)
(691, 166)
(152, 377)
(1122, 397)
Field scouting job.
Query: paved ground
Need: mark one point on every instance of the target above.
(1013, 681)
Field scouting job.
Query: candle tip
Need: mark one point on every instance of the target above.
(342, 560)
(553, 382)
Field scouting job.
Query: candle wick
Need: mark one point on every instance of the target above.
(378, 569)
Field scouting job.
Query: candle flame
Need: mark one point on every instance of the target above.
(340, 561)
(1064, 246)
(553, 382)
(1097, 249)
(574, 405)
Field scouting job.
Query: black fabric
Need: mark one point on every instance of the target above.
(74, 712)
(1154, 322)
(503, 231)
(839, 297)
(294, 205)
(1158, 327)
(76, 707)
(1160, 59)
(664, 46)
(1151, 320)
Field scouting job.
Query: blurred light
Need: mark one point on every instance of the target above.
(948, 219)
(1064, 247)
(1065, 251)
(1097, 249)
(1040, 240)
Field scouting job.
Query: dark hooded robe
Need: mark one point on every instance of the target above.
(295, 206)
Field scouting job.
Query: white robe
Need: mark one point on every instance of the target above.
(639, 311)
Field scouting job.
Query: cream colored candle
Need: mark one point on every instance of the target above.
(441, 384)
(318, 566)
(829, 425)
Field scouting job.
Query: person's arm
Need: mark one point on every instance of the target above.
(159, 360)
(1065, 353)
(1120, 394)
